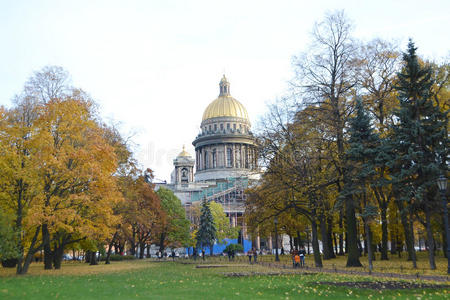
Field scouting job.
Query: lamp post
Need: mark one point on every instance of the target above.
(275, 221)
(442, 185)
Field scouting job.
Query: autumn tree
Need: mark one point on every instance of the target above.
(377, 64)
(326, 80)
(222, 223)
(20, 183)
(175, 228)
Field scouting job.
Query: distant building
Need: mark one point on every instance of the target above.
(225, 159)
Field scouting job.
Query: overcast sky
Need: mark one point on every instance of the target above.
(154, 66)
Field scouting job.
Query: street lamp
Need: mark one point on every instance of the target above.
(275, 221)
(442, 185)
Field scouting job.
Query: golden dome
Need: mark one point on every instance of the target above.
(184, 153)
(225, 105)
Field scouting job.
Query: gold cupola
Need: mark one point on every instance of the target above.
(225, 105)
(184, 153)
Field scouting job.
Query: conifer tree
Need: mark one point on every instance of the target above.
(419, 139)
(361, 155)
(206, 234)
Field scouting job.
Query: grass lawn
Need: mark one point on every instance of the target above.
(169, 280)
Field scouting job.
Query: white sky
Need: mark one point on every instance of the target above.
(154, 66)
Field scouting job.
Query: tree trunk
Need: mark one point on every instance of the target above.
(409, 238)
(341, 234)
(24, 263)
(48, 255)
(324, 234)
(430, 238)
(290, 243)
(58, 255)
(299, 240)
(148, 250)
(369, 245)
(161, 242)
(393, 243)
(108, 254)
(93, 261)
(384, 233)
(315, 245)
(352, 243)
(335, 243)
(141, 250)
(330, 236)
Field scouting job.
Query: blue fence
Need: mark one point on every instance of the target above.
(218, 248)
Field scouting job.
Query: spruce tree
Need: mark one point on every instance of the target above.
(361, 158)
(206, 234)
(419, 141)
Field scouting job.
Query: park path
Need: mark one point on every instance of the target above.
(362, 273)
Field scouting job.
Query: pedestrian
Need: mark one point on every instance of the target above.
(255, 256)
(249, 253)
(302, 254)
(173, 255)
(282, 250)
(203, 254)
(296, 260)
(195, 253)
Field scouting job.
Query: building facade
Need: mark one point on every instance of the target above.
(225, 162)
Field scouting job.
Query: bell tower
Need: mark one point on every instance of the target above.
(224, 87)
(184, 168)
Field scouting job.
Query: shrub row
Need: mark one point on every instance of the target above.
(118, 257)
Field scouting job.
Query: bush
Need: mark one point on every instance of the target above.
(9, 249)
(10, 263)
(234, 248)
(118, 257)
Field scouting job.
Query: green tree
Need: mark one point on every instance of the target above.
(222, 223)
(206, 234)
(420, 142)
(361, 158)
(175, 229)
(8, 246)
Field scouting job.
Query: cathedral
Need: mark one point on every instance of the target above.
(225, 161)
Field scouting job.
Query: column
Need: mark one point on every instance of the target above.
(258, 242)
(233, 155)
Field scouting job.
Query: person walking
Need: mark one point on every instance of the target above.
(296, 261)
(255, 256)
(302, 254)
(249, 253)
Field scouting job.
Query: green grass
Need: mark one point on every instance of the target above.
(168, 280)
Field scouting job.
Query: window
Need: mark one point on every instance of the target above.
(215, 127)
(228, 126)
(184, 175)
(234, 127)
(214, 159)
(221, 126)
(206, 160)
(209, 127)
(229, 157)
(246, 158)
